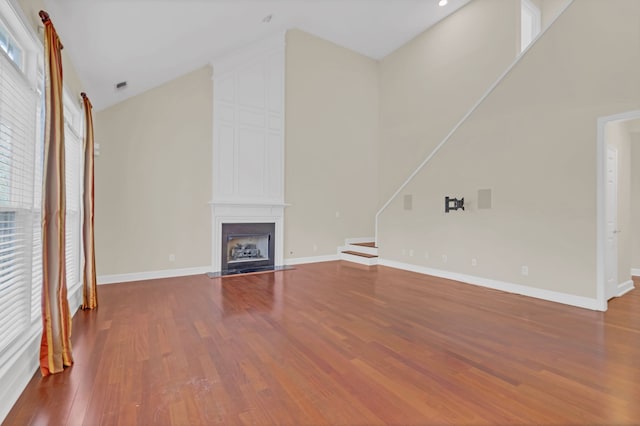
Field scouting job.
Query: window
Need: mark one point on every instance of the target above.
(21, 166)
(530, 18)
(73, 163)
(10, 47)
(18, 106)
(36, 213)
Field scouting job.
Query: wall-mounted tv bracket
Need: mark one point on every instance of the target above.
(453, 204)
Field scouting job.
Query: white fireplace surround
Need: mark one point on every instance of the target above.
(248, 141)
(246, 213)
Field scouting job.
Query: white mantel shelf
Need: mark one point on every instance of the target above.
(248, 204)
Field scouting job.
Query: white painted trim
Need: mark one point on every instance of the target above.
(359, 240)
(245, 213)
(601, 221)
(17, 368)
(151, 275)
(635, 272)
(248, 204)
(75, 297)
(466, 117)
(314, 259)
(537, 18)
(25, 21)
(368, 261)
(268, 56)
(264, 201)
(360, 249)
(625, 288)
(552, 296)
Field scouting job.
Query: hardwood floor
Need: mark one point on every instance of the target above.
(333, 343)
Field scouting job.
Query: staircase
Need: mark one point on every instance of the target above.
(359, 250)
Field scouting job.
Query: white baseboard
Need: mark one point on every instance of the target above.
(625, 288)
(75, 298)
(635, 272)
(313, 259)
(151, 275)
(17, 368)
(18, 371)
(552, 296)
(367, 261)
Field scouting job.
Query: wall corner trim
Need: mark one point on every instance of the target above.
(551, 296)
(625, 288)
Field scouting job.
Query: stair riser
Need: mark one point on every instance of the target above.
(358, 240)
(361, 249)
(359, 259)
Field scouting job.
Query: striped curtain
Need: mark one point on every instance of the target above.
(89, 287)
(55, 347)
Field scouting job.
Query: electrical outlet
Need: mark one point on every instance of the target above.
(315, 247)
(444, 258)
(172, 257)
(525, 270)
(411, 252)
(426, 255)
(337, 214)
(474, 262)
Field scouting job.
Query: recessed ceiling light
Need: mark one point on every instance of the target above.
(443, 2)
(267, 19)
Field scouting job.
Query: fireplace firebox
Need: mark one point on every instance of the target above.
(247, 247)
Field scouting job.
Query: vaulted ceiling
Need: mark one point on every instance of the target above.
(149, 42)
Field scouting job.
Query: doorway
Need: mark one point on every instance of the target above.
(614, 258)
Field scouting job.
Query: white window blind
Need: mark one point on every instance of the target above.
(36, 214)
(73, 162)
(17, 160)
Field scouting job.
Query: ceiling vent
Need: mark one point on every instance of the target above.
(121, 86)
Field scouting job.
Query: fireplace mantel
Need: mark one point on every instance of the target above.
(248, 141)
(246, 212)
(246, 204)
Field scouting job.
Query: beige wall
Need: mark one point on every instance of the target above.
(156, 158)
(428, 85)
(71, 79)
(331, 140)
(617, 135)
(635, 201)
(153, 178)
(533, 142)
(549, 9)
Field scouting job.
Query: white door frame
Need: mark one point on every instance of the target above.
(611, 215)
(601, 220)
